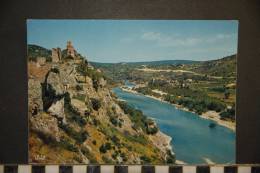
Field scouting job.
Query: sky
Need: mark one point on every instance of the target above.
(138, 40)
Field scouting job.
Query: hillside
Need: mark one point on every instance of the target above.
(75, 118)
(222, 67)
(35, 51)
(199, 86)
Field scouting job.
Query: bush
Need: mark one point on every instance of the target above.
(95, 84)
(103, 148)
(170, 159)
(80, 137)
(116, 140)
(228, 114)
(218, 89)
(107, 160)
(85, 151)
(114, 121)
(152, 131)
(67, 145)
(145, 159)
(136, 116)
(79, 87)
(123, 156)
(96, 104)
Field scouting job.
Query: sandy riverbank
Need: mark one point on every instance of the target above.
(210, 115)
(214, 116)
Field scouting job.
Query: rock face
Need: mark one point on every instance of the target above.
(53, 82)
(57, 110)
(74, 118)
(34, 95)
(46, 126)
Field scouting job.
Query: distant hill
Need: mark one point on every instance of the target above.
(221, 67)
(162, 62)
(34, 51)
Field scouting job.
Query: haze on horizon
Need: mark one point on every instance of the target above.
(115, 41)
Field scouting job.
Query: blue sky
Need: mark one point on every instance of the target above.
(138, 40)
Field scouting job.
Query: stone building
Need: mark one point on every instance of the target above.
(70, 50)
(56, 54)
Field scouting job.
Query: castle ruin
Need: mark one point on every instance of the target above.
(70, 50)
(56, 54)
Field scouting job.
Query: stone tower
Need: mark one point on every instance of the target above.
(70, 50)
(56, 54)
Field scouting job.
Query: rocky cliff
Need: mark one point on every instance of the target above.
(75, 118)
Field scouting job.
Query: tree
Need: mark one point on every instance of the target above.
(226, 94)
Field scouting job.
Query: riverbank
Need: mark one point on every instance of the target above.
(160, 139)
(210, 115)
(162, 142)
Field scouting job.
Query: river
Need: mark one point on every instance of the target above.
(193, 141)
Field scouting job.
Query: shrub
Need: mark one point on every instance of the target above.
(67, 145)
(170, 157)
(55, 70)
(96, 122)
(95, 84)
(96, 104)
(152, 131)
(88, 154)
(145, 159)
(114, 121)
(116, 140)
(103, 148)
(228, 113)
(80, 137)
(107, 160)
(123, 156)
(79, 87)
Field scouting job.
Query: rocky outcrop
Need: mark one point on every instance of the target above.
(73, 114)
(57, 110)
(34, 97)
(45, 126)
(54, 82)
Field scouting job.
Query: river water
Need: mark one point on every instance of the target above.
(193, 141)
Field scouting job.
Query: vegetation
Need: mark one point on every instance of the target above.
(80, 136)
(72, 114)
(103, 148)
(199, 104)
(96, 104)
(228, 113)
(138, 118)
(35, 51)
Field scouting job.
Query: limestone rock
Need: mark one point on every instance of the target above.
(35, 94)
(45, 125)
(102, 82)
(57, 110)
(79, 106)
(54, 81)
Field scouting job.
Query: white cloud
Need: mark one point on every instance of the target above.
(175, 40)
(169, 40)
(220, 37)
(151, 36)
